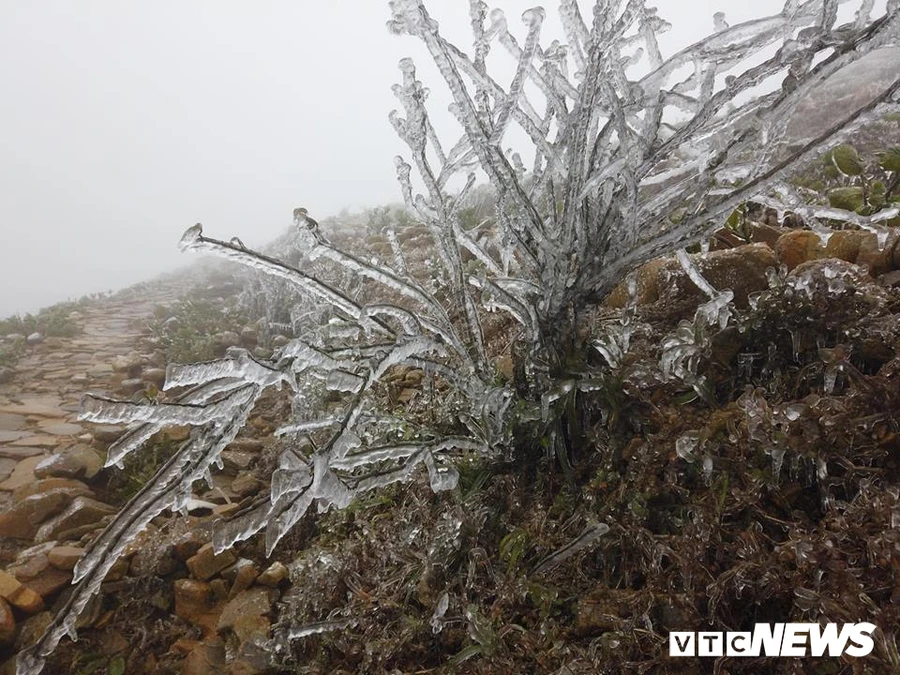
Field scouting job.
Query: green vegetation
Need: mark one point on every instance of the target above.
(53, 321)
(10, 353)
(187, 330)
(140, 467)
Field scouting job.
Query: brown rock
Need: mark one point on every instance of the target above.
(19, 595)
(76, 487)
(29, 563)
(19, 453)
(118, 571)
(9, 436)
(59, 427)
(845, 244)
(38, 441)
(107, 433)
(235, 461)
(130, 364)
(189, 543)
(153, 560)
(247, 615)
(244, 576)
(246, 485)
(79, 461)
(798, 246)
(414, 377)
(196, 603)
(23, 518)
(225, 510)
(249, 336)
(879, 260)
(65, 557)
(205, 564)
(32, 628)
(245, 445)
(83, 511)
(48, 582)
(23, 474)
(37, 407)
(7, 624)
(766, 234)
(274, 575)
(206, 658)
(155, 376)
(7, 466)
(647, 285)
(407, 395)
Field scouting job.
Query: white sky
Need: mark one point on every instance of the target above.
(123, 123)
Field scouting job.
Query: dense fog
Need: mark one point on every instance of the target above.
(123, 124)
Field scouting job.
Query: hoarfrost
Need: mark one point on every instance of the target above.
(631, 158)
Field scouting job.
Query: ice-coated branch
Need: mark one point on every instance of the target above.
(166, 490)
(622, 139)
(193, 240)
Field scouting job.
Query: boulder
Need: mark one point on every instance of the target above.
(249, 336)
(23, 518)
(246, 485)
(155, 376)
(880, 260)
(196, 603)
(798, 246)
(205, 564)
(18, 595)
(65, 557)
(206, 658)
(228, 339)
(107, 433)
(83, 512)
(34, 339)
(246, 615)
(274, 575)
(131, 385)
(47, 582)
(242, 574)
(662, 283)
(845, 244)
(23, 474)
(78, 461)
(129, 364)
(189, 543)
(47, 484)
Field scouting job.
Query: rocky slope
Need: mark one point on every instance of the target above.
(707, 529)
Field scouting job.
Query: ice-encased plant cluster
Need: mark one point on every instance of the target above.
(632, 155)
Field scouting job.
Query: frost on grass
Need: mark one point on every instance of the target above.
(631, 155)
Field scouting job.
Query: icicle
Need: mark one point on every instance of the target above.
(437, 617)
(586, 539)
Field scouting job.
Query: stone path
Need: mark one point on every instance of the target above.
(51, 487)
(39, 405)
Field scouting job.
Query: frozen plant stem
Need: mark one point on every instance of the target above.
(622, 139)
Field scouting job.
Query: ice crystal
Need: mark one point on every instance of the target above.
(632, 155)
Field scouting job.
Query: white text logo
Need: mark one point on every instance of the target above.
(779, 639)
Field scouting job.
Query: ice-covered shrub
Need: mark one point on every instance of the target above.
(632, 155)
